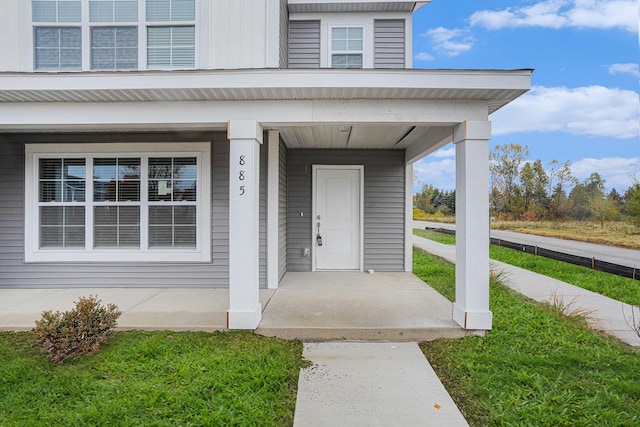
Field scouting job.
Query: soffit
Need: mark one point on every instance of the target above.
(323, 6)
(494, 87)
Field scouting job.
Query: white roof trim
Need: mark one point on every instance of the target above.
(324, 6)
(496, 87)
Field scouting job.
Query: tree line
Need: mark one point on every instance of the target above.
(531, 191)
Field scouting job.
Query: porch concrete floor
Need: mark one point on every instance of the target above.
(323, 306)
(319, 306)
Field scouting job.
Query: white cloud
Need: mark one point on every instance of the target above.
(600, 14)
(449, 42)
(614, 170)
(444, 152)
(629, 68)
(440, 173)
(423, 56)
(590, 111)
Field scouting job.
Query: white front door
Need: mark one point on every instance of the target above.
(337, 218)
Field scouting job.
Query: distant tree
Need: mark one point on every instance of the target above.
(424, 199)
(632, 205)
(615, 198)
(559, 204)
(504, 172)
(587, 194)
(534, 181)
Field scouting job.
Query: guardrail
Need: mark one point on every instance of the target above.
(593, 263)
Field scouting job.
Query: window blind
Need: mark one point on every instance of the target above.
(113, 10)
(56, 10)
(171, 47)
(171, 10)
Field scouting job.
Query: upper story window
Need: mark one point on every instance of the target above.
(114, 34)
(346, 47)
(57, 36)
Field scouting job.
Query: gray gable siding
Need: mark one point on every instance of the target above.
(15, 273)
(389, 43)
(384, 204)
(304, 44)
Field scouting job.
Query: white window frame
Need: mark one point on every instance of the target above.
(332, 52)
(141, 24)
(202, 251)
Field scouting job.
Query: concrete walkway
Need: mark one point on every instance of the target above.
(371, 384)
(608, 313)
(612, 254)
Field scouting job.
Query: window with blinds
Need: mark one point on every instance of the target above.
(115, 33)
(171, 38)
(172, 202)
(61, 188)
(56, 10)
(114, 48)
(346, 47)
(130, 197)
(122, 202)
(116, 197)
(113, 10)
(58, 48)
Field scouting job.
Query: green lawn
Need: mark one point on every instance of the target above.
(534, 368)
(152, 379)
(617, 287)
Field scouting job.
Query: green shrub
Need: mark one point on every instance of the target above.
(79, 331)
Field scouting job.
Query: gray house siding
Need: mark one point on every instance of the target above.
(384, 204)
(282, 213)
(284, 33)
(304, 44)
(389, 43)
(14, 272)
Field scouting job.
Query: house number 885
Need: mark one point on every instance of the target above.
(241, 174)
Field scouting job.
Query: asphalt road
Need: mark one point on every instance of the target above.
(613, 254)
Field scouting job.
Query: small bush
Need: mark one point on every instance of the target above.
(79, 331)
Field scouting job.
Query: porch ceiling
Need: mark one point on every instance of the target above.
(353, 136)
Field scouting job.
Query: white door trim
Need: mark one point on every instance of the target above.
(359, 168)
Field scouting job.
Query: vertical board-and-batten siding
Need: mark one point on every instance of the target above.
(304, 44)
(14, 272)
(389, 43)
(384, 204)
(282, 212)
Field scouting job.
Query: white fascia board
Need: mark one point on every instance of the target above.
(365, 3)
(267, 80)
(211, 115)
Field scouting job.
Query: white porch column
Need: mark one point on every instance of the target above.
(273, 199)
(471, 308)
(245, 137)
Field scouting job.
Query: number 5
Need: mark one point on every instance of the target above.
(242, 190)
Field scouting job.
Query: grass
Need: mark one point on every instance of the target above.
(617, 287)
(436, 236)
(615, 233)
(536, 367)
(152, 379)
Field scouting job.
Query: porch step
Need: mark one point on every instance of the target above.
(366, 334)
(355, 306)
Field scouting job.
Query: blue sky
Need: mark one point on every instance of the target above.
(584, 105)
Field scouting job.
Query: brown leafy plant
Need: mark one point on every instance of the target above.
(79, 331)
